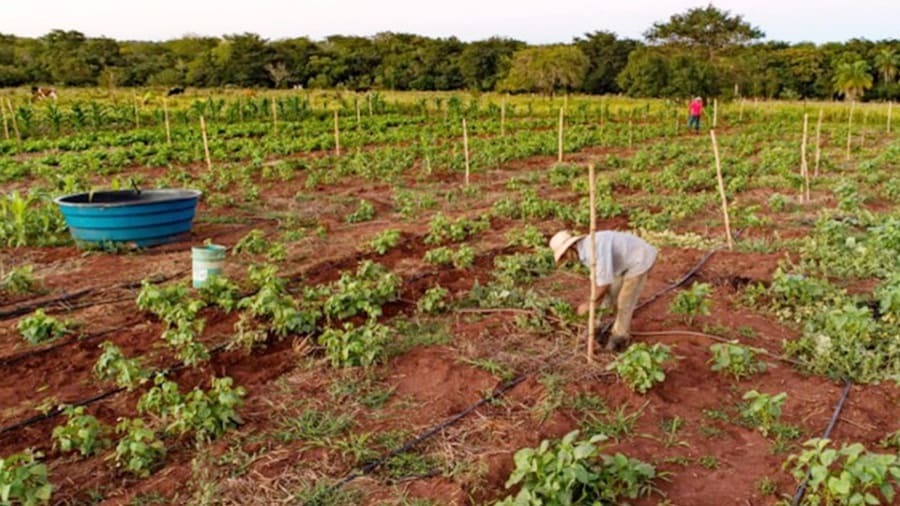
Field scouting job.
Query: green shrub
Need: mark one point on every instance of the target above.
(19, 281)
(208, 414)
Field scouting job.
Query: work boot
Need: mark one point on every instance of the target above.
(617, 343)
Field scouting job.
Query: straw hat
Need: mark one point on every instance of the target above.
(561, 242)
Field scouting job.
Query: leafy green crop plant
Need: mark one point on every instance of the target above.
(575, 472)
(849, 475)
(23, 479)
(139, 449)
(641, 366)
(81, 432)
(736, 360)
(39, 328)
(763, 410)
(692, 302)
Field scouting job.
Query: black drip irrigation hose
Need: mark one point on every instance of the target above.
(801, 489)
(371, 466)
(56, 411)
(27, 308)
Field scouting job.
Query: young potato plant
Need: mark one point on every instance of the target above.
(19, 281)
(442, 229)
(849, 475)
(40, 328)
(384, 241)
(221, 292)
(366, 291)
(641, 366)
(575, 472)
(208, 414)
(433, 301)
(365, 211)
(442, 255)
(734, 359)
(23, 479)
(353, 346)
(692, 302)
(139, 449)
(763, 410)
(81, 432)
(272, 303)
(112, 365)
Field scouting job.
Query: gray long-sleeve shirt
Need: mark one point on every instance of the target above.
(618, 254)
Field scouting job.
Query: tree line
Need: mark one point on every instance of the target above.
(703, 51)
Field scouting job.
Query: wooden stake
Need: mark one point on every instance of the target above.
(205, 144)
(5, 126)
(804, 168)
(712, 134)
(715, 112)
(466, 148)
(890, 106)
(559, 157)
(137, 113)
(503, 118)
(337, 135)
(15, 123)
(818, 143)
(166, 119)
(592, 304)
(274, 117)
(850, 127)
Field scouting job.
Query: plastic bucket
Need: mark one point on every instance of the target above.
(207, 261)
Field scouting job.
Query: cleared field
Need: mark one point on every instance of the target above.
(400, 334)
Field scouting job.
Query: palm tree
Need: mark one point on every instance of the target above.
(852, 79)
(887, 62)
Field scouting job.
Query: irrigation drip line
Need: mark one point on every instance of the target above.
(57, 410)
(801, 489)
(27, 308)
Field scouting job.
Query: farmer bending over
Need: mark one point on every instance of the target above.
(623, 262)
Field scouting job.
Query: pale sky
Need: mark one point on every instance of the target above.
(536, 22)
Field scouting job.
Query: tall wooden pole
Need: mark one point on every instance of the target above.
(850, 127)
(592, 304)
(466, 148)
(15, 123)
(712, 134)
(804, 167)
(337, 135)
(166, 120)
(818, 143)
(5, 125)
(715, 112)
(503, 118)
(205, 144)
(890, 106)
(559, 157)
(274, 116)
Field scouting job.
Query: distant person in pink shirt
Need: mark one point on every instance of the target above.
(696, 110)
